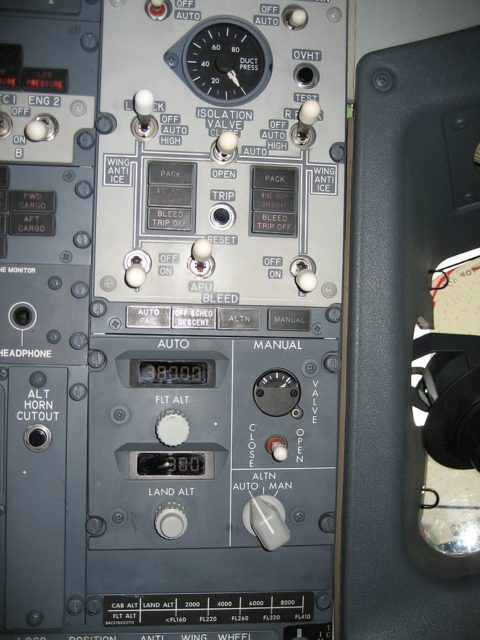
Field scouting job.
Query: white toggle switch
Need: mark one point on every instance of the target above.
(277, 447)
(298, 18)
(279, 451)
(202, 250)
(172, 428)
(144, 102)
(36, 131)
(135, 276)
(157, 4)
(306, 280)
(227, 142)
(309, 112)
(264, 517)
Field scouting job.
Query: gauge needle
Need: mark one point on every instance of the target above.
(233, 77)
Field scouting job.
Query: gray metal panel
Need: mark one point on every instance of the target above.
(403, 224)
(35, 504)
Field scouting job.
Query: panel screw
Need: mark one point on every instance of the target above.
(54, 336)
(66, 256)
(69, 175)
(108, 283)
(79, 289)
(382, 80)
(75, 605)
(55, 283)
(78, 392)
(2, 509)
(82, 239)
(334, 313)
(115, 323)
(89, 42)
(119, 414)
(98, 308)
(337, 152)
(83, 189)
(327, 523)
(93, 606)
(310, 367)
(323, 601)
(105, 124)
(85, 140)
(96, 359)
(95, 526)
(34, 618)
(78, 341)
(38, 379)
(468, 197)
(118, 516)
(3, 373)
(298, 515)
(317, 329)
(332, 362)
(459, 124)
(172, 60)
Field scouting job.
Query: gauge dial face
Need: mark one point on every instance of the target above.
(276, 392)
(227, 62)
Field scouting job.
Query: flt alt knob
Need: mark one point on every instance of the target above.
(172, 428)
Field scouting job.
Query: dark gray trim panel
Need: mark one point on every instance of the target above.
(406, 218)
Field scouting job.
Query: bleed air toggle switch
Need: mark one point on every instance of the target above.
(264, 516)
(144, 126)
(137, 264)
(42, 128)
(201, 262)
(303, 133)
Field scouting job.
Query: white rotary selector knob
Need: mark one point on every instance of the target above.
(172, 428)
(306, 280)
(298, 18)
(36, 131)
(264, 517)
(171, 521)
(202, 250)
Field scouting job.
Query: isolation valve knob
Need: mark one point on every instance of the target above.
(202, 250)
(36, 131)
(135, 276)
(298, 18)
(264, 517)
(171, 521)
(172, 428)
(225, 148)
(227, 142)
(306, 280)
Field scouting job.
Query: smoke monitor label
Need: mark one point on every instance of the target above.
(230, 608)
